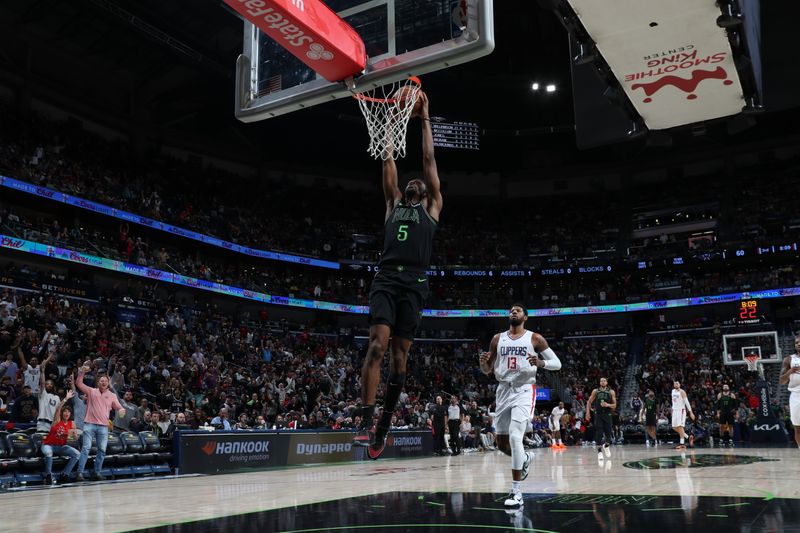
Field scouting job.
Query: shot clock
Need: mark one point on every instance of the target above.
(748, 312)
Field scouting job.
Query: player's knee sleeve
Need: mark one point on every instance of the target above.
(516, 432)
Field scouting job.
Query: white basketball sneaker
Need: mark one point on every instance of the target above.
(514, 499)
(525, 465)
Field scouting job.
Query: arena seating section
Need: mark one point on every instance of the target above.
(196, 357)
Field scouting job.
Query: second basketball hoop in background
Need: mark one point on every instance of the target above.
(387, 111)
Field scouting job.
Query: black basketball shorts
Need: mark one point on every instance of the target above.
(726, 417)
(396, 300)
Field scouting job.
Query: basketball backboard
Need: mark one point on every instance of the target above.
(403, 38)
(763, 343)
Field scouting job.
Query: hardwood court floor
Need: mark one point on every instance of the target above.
(638, 489)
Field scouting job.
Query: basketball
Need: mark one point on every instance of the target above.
(407, 94)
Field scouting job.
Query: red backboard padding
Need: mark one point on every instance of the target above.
(311, 32)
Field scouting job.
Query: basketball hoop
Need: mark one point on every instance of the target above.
(387, 111)
(752, 360)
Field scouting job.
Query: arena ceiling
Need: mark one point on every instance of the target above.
(165, 70)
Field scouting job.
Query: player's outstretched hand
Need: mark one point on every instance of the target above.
(484, 357)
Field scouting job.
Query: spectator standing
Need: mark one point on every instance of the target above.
(78, 406)
(48, 400)
(99, 403)
(123, 423)
(55, 443)
(30, 371)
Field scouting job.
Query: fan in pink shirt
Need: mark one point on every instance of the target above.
(99, 403)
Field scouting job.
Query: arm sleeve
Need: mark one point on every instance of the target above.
(686, 403)
(551, 360)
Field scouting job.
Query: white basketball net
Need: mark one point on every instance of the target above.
(387, 117)
(752, 360)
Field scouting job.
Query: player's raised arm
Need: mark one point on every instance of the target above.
(391, 192)
(546, 357)
(430, 172)
(487, 358)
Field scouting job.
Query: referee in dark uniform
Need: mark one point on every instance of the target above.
(399, 289)
(439, 423)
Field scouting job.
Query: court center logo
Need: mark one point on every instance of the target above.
(695, 461)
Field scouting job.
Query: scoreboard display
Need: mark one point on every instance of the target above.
(461, 135)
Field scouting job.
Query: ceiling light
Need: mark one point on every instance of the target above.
(535, 86)
(551, 88)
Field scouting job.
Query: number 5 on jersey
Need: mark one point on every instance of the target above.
(402, 232)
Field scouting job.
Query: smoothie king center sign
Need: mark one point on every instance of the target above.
(671, 58)
(684, 81)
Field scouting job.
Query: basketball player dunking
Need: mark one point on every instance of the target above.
(602, 401)
(515, 356)
(680, 406)
(726, 409)
(401, 285)
(790, 375)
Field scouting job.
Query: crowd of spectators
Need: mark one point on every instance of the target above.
(189, 366)
(126, 243)
(279, 216)
(192, 366)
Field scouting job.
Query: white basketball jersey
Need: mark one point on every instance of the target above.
(512, 358)
(794, 379)
(677, 400)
